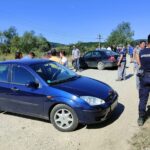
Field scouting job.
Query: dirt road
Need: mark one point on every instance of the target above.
(23, 133)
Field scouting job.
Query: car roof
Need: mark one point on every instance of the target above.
(25, 61)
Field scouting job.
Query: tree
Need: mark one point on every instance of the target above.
(28, 42)
(5, 39)
(10, 41)
(15, 44)
(9, 34)
(42, 44)
(121, 35)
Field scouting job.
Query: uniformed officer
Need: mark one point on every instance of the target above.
(136, 53)
(144, 60)
(121, 64)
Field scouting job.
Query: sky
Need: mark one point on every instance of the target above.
(71, 21)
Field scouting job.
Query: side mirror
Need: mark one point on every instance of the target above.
(32, 84)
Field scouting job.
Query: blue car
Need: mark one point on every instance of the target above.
(46, 89)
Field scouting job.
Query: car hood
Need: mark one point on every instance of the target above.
(84, 86)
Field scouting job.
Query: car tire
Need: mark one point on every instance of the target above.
(64, 118)
(100, 66)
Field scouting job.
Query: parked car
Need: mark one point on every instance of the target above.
(98, 59)
(46, 89)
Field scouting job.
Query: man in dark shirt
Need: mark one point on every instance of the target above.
(144, 89)
(121, 64)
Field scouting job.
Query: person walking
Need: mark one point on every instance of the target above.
(144, 90)
(75, 57)
(121, 63)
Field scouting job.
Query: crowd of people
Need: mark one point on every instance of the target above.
(53, 55)
(50, 55)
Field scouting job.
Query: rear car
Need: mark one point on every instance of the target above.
(48, 90)
(100, 59)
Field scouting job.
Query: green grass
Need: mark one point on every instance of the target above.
(6, 57)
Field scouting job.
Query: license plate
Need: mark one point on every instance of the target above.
(113, 106)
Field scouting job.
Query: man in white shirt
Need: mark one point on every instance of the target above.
(75, 57)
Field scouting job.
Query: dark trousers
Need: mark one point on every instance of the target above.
(143, 95)
(77, 65)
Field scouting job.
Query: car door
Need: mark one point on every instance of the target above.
(88, 58)
(26, 100)
(96, 57)
(5, 88)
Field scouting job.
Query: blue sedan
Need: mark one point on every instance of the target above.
(45, 89)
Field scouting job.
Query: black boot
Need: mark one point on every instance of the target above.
(141, 121)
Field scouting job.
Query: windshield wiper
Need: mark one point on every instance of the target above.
(67, 79)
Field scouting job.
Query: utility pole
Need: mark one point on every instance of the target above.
(99, 41)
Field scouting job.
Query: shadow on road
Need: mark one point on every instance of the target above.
(26, 117)
(148, 111)
(84, 69)
(129, 76)
(116, 114)
(111, 69)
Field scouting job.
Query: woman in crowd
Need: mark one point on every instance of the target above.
(64, 60)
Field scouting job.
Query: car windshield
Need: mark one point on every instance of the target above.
(52, 72)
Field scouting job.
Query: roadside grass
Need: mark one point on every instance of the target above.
(6, 57)
(141, 140)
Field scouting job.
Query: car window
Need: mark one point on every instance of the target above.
(21, 76)
(96, 54)
(88, 55)
(4, 73)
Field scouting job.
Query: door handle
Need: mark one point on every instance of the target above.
(14, 89)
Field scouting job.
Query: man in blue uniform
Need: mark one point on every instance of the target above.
(121, 64)
(144, 90)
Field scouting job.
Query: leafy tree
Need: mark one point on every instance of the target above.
(121, 35)
(10, 33)
(15, 44)
(42, 44)
(5, 39)
(28, 42)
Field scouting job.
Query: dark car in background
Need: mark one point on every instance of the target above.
(46, 89)
(98, 59)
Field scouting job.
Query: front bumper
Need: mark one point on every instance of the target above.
(96, 115)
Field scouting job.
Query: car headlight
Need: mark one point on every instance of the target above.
(93, 100)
